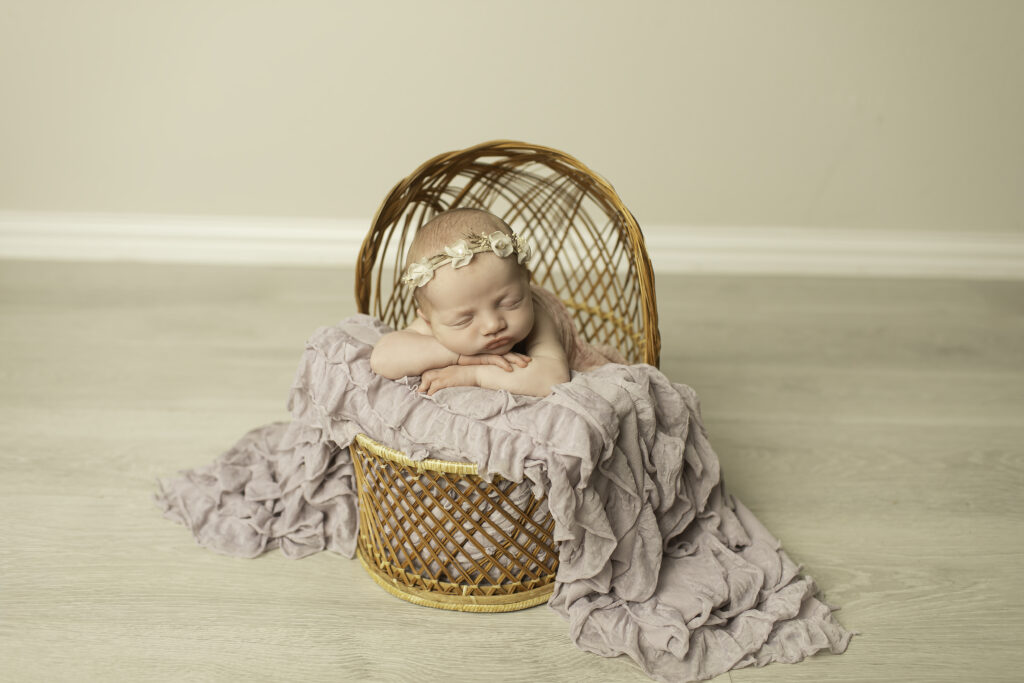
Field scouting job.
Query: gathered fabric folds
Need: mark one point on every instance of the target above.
(656, 559)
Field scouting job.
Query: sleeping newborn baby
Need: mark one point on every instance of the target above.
(478, 320)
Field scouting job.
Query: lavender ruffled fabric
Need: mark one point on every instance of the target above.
(656, 559)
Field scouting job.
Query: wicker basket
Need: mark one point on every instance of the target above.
(433, 532)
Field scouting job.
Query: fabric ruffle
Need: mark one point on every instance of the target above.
(656, 559)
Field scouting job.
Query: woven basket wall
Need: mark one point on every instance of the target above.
(588, 250)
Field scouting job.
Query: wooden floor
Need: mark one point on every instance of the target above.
(875, 426)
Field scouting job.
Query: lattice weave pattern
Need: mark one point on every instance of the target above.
(588, 248)
(452, 534)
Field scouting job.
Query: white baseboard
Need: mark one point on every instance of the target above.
(836, 252)
(157, 238)
(674, 249)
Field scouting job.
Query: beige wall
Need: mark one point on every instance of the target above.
(856, 113)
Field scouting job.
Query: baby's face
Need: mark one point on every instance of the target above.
(483, 307)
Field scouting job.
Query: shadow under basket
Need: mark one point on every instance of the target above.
(436, 534)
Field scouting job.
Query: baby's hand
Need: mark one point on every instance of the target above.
(503, 361)
(434, 380)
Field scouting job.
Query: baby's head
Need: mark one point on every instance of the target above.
(472, 287)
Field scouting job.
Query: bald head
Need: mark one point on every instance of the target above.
(449, 227)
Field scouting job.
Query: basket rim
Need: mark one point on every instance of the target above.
(469, 603)
(379, 450)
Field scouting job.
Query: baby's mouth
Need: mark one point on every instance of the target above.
(498, 343)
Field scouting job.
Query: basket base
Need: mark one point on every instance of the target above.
(458, 603)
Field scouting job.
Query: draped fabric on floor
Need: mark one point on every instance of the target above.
(656, 559)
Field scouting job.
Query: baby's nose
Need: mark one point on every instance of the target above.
(493, 324)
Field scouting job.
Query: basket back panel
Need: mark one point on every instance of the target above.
(587, 247)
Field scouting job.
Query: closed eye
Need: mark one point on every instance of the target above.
(512, 303)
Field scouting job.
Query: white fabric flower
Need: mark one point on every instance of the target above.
(460, 253)
(501, 243)
(418, 274)
(525, 250)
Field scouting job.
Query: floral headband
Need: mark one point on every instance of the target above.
(461, 253)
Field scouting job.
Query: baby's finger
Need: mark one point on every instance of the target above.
(494, 359)
(518, 358)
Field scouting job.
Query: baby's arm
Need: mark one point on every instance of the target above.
(414, 350)
(548, 366)
(408, 352)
